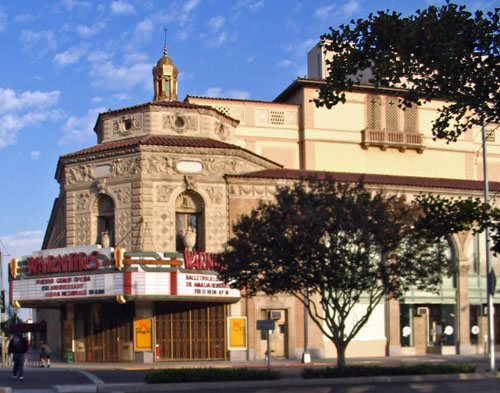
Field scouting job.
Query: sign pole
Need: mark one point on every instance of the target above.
(268, 352)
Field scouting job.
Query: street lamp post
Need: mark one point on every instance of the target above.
(489, 270)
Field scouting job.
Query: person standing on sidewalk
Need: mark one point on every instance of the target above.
(44, 354)
(18, 347)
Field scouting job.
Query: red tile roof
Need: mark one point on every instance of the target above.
(165, 104)
(159, 140)
(409, 181)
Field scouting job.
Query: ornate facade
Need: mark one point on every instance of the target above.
(154, 200)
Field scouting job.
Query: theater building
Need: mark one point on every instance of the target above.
(127, 266)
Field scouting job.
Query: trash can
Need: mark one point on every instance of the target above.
(69, 357)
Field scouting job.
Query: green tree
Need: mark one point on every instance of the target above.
(444, 53)
(335, 244)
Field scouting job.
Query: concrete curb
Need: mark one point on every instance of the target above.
(200, 386)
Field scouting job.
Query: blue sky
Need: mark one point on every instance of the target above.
(62, 62)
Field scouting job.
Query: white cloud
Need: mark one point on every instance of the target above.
(98, 56)
(216, 23)
(71, 56)
(349, 8)
(106, 75)
(185, 12)
(122, 8)
(346, 10)
(143, 30)
(190, 5)
(3, 20)
(18, 111)
(35, 155)
(22, 243)
(324, 12)
(283, 63)
(217, 92)
(252, 5)
(10, 101)
(39, 42)
(79, 130)
(90, 31)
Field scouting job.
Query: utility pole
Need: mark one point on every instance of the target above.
(3, 310)
(489, 270)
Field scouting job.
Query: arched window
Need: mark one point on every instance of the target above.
(104, 213)
(190, 217)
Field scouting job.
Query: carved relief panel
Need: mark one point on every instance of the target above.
(180, 123)
(123, 227)
(82, 230)
(127, 125)
(164, 229)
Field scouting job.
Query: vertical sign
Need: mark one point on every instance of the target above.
(237, 333)
(143, 334)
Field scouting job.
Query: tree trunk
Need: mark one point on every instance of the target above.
(341, 347)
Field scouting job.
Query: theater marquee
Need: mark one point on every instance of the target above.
(91, 272)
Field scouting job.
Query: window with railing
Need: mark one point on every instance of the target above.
(389, 125)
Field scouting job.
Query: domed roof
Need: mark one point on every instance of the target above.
(165, 60)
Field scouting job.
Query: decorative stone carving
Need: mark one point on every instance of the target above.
(163, 192)
(123, 226)
(127, 125)
(158, 164)
(215, 193)
(101, 186)
(122, 194)
(189, 238)
(216, 229)
(164, 230)
(127, 166)
(105, 239)
(82, 230)
(80, 173)
(180, 123)
(82, 200)
(228, 166)
(221, 130)
(252, 191)
(189, 182)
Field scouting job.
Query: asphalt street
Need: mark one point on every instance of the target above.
(129, 377)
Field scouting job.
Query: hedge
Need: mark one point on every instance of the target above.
(209, 375)
(372, 371)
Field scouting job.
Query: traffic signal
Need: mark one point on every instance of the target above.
(2, 300)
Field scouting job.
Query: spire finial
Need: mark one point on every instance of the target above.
(165, 47)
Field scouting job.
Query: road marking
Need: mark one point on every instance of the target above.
(92, 377)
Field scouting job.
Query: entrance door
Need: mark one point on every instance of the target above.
(189, 331)
(278, 337)
(104, 332)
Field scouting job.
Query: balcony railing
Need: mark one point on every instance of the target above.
(395, 139)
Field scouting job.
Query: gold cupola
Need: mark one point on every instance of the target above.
(165, 78)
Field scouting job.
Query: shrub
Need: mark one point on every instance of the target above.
(209, 375)
(372, 371)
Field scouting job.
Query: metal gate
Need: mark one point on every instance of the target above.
(104, 331)
(191, 331)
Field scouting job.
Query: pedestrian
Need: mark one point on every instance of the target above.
(44, 354)
(18, 347)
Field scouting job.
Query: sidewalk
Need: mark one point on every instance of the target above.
(290, 368)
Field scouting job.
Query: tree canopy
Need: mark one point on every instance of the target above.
(333, 244)
(443, 53)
